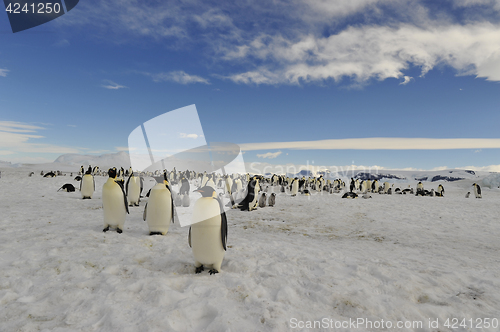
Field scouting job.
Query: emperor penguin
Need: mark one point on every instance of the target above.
(208, 232)
(477, 190)
(440, 191)
(114, 203)
(387, 186)
(185, 187)
(68, 187)
(420, 189)
(262, 200)
(133, 190)
(272, 200)
(87, 185)
(211, 182)
(159, 211)
(467, 195)
(295, 187)
(248, 203)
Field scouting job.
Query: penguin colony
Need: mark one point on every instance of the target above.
(208, 235)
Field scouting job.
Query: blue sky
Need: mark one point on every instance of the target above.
(261, 72)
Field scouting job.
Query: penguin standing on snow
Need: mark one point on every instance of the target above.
(185, 187)
(272, 200)
(262, 200)
(477, 190)
(114, 203)
(467, 195)
(87, 185)
(133, 190)
(248, 203)
(440, 191)
(208, 232)
(295, 187)
(159, 211)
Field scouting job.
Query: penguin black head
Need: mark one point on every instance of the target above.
(206, 191)
(112, 172)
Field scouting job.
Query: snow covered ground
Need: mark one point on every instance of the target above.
(319, 258)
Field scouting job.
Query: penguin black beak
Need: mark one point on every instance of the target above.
(198, 190)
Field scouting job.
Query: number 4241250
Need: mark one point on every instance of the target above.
(472, 323)
(39, 8)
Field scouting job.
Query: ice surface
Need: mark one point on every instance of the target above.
(396, 257)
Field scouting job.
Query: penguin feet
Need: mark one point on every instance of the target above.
(119, 231)
(155, 233)
(213, 271)
(136, 204)
(106, 229)
(199, 269)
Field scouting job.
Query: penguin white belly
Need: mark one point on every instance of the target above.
(134, 191)
(206, 238)
(295, 188)
(113, 205)
(87, 186)
(159, 211)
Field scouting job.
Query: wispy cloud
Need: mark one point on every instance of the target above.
(62, 43)
(373, 52)
(310, 41)
(3, 72)
(112, 85)
(178, 76)
(407, 79)
(18, 137)
(380, 143)
(194, 136)
(269, 155)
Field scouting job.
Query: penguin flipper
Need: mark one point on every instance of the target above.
(478, 190)
(223, 229)
(189, 237)
(145, 212)
(172, 208)
(126, 185)
(125, 201)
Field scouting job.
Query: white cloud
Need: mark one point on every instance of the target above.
(407, 79)
(367, 52)
(194, 136)
(112, 85)
(18, 137)
(178, 76)
(3, 72)
(269, 155)
(380, 143)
